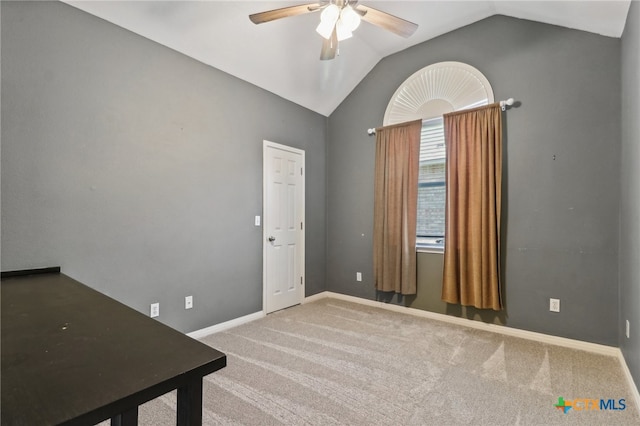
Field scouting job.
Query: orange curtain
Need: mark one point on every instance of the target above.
(395, 207)
(472, 235)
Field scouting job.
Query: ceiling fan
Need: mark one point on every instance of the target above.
(338, 20)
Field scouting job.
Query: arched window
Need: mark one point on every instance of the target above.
(428, 94)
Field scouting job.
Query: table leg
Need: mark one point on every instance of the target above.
(128, 418)
(190, 403)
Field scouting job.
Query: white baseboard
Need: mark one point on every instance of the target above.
(315, 297)
(495, 328)
(204, 332)
(632, 385)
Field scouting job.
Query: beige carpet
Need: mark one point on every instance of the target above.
(333, 362)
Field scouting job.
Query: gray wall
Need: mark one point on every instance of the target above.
(139, 170)
(561, 216)
(630, 193)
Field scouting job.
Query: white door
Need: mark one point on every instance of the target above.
(283, 210)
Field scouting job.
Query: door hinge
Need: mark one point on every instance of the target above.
(301, 226)
(300, 280)
(300, 171)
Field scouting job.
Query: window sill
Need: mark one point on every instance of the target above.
(427, 249)
(434, 244)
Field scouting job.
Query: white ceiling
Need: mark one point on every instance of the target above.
(283, 56)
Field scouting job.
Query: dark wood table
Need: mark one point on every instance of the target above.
(73, 356)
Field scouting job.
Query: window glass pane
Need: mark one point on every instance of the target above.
(431, 184)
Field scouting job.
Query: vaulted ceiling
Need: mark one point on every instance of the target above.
(283, 56)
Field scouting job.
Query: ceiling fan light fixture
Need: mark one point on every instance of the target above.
(328, 19)
(325, 29)
(350, 18)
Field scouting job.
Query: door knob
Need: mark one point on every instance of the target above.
(272, 239)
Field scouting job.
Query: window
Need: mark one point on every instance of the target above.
(431, 185)
(431, 92)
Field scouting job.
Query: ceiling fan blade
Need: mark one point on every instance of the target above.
(329, 47)
(285, 12)
(387, 21)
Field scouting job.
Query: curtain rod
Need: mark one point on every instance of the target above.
(503, 104)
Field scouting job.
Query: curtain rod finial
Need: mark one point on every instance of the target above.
(371, 132)
(506, 103)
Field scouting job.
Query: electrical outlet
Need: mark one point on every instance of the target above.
(188, 302)
(257, 221)
(358, 276)
(627, 330)
(554, 305)
(155, 310)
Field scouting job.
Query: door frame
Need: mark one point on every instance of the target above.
(265, 145)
